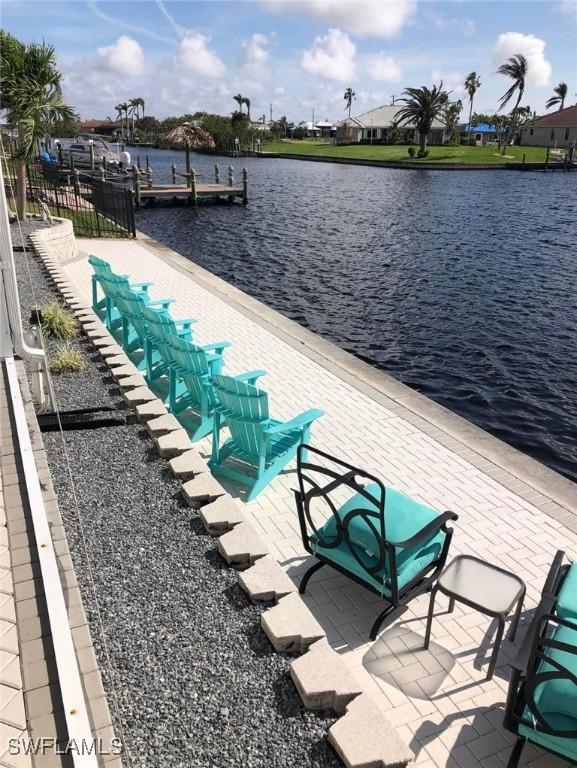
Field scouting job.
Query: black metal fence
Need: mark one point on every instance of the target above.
(97, 206)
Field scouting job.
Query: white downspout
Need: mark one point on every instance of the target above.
(11, 331)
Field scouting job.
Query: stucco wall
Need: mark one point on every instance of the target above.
(541, 137)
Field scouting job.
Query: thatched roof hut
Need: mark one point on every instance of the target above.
(190, 136)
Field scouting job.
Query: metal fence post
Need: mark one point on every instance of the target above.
(136, 184)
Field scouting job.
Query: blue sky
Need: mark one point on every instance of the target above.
(299, 55)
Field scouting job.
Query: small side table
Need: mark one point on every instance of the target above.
(485, 587)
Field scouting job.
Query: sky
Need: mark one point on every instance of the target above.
(295, 56)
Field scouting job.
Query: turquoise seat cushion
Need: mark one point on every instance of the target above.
(567, 599)
(556, 699)
(404, 518)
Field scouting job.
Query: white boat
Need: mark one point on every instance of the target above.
(81, 149)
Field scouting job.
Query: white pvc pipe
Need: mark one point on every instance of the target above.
(9, 299)
(77, 722)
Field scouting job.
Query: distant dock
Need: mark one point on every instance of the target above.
(191, 191)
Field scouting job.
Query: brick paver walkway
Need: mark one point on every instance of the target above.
(438, 698)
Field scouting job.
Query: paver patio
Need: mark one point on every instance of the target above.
(439, 699)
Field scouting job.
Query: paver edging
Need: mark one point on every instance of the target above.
(289, 624)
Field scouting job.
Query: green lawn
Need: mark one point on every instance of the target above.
(398, 153)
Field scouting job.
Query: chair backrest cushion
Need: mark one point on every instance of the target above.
(566, 606)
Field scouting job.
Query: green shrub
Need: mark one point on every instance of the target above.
(411, 151)
(57, 322)
(67, 360)
(423, 153)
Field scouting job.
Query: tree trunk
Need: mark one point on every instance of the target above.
(21, 189)
(512, 122)
(423, 147)
(470, 114)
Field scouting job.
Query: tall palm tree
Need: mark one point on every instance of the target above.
(349, 96)
(472, 85)
(422, 106)
(516, 68)
(239, 100)
(246, 101)
(560, 92)
(32, 97)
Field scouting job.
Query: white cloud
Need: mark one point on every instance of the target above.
(568, 6)
(194, 56)
(452, 81)
(125, 57)
(383, 67)
(533, 48)
(332, 56)
(366, 18)
(464, 26)
(254, 51)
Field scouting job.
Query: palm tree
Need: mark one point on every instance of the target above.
(349, 96)
(472, 85)
(239, 100)
(451, 117)
(246, 101)
(422, 106)
(32, 97)
(516, 68)
(560, 92)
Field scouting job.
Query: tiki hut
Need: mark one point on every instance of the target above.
(190, 136)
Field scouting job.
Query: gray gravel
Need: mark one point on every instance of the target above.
(197, 682)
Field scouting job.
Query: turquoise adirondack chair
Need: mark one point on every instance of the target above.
(131, 307)
(104, 307)
(259, 447)
(193, 368)
(161, 329)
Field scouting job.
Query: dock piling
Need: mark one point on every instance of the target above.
(230, 176)
(148, 175)
(91, 149)
(76, 181)
(173, 171)
(193, 197)
(244, 186)
(216, 174)
(136, 184)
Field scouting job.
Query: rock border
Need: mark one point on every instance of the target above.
(318, 672)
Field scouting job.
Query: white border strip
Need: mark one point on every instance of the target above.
(80, 736)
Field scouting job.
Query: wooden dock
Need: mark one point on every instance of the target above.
(191, 191)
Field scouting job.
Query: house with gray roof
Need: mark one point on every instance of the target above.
(375, 125)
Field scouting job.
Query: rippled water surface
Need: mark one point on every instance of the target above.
(463, 285)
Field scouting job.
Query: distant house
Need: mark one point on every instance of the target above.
(558, 129)
(375, 125)
(104, 127)
(482, 133)
(326, 128)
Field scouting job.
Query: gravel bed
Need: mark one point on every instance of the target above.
(27, 227)
(197, 683)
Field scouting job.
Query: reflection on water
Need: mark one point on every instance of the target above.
(460, 284)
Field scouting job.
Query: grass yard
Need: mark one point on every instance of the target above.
(397, 153)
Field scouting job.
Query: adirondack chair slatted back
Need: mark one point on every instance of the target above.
(193, 367)
(161, 330)
(245, 410)
(132, 307)
(99, 266)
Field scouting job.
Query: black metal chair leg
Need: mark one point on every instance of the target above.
(379, 620)
(305, 579)
(516, 753)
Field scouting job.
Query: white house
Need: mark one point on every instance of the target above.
(375, 125)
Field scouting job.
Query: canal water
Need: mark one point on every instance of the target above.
(462, 285)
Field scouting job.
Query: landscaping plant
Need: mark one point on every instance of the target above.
(67, 360)
(57, 322)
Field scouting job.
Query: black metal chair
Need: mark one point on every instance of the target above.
(542, 699)
(380, 538)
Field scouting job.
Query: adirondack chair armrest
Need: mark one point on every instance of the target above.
(303, 420)
(186, 323)
(425, 533)
(216, 346)
(250, 376)
(141, 286)
(164, 303)
(213, 360)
